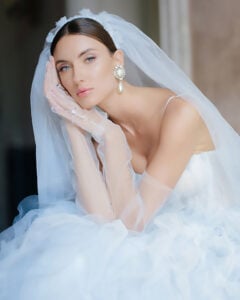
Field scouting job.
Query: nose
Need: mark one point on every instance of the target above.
(78, 74)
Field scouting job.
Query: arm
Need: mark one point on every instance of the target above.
(115, 157)
(90, 187)
(136, 204)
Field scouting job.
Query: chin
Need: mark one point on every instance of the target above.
(87, 106)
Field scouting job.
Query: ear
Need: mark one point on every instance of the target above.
(118, 57)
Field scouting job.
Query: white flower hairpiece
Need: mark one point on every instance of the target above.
(59, 24)
(102, 18)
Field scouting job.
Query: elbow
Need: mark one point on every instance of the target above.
(134, 223)
(136, 227)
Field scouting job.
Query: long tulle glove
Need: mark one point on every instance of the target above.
(135, 199)
(150, 196)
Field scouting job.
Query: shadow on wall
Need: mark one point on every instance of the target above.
(21, 177)
(23, 27)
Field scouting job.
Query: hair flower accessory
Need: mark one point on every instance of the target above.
(102, 18)
(61, 22)
(59, 25)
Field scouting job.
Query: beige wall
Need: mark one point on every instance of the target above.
(215, 28)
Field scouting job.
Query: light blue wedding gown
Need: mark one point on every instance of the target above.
(190, 250)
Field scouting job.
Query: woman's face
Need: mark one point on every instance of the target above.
(85, 69)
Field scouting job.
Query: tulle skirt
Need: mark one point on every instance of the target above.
(60, 253)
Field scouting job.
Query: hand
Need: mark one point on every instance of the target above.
(65, 106)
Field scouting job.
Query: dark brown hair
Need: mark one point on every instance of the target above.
(88, 27)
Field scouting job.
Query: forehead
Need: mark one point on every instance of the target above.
(77, 42)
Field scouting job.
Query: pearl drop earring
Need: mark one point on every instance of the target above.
(119, 73)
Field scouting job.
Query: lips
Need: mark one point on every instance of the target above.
(83, 92)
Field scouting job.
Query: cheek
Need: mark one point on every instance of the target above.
(104, 69)
(104, 74)
(106, 83)
(66, 82)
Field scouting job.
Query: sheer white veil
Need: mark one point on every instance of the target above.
(146, 64)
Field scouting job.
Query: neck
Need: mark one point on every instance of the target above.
(124, 109)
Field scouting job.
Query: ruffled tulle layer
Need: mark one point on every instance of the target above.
(60, 253)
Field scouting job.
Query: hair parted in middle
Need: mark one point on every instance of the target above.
(87, 27)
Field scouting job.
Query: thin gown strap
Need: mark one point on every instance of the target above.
(169, 100)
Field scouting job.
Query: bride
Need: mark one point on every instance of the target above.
(138, 194)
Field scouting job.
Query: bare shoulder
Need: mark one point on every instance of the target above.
(178, 104)
(178, 137)
(175, 107)
(180, 112)
(176, 110)
(158, 96)
(180, 126)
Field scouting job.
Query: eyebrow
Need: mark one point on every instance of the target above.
(79, 55)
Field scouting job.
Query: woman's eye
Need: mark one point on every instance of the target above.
(90, 59)
(63, 68)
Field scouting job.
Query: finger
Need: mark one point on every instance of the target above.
(51, 71)
(48, 82)
(54, 70)
(65, 102)
(70, 112)
(72, 118)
